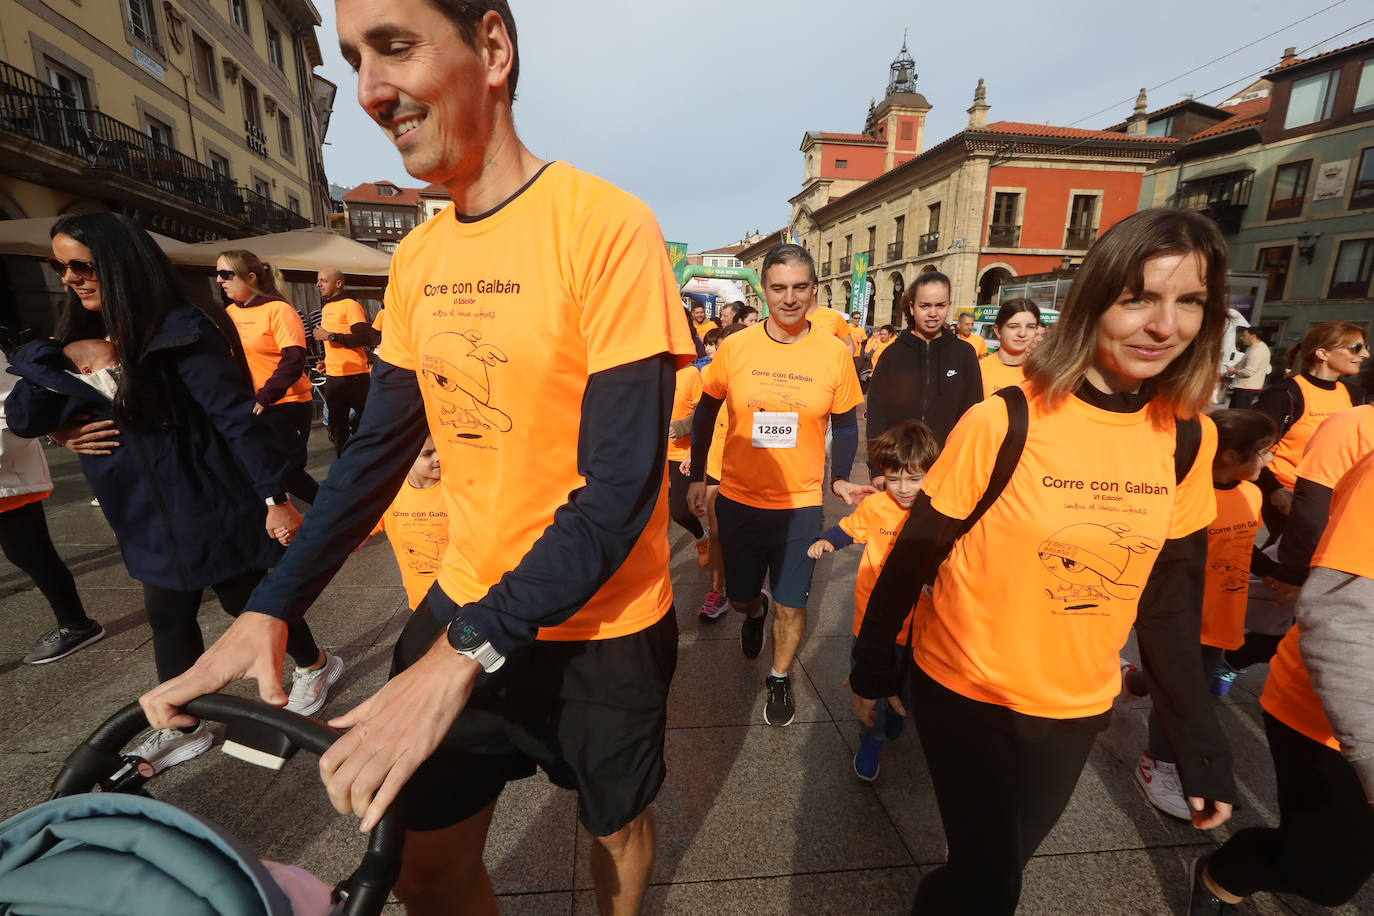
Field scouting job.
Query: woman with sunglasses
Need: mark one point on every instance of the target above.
(1330, 353)
(189, 480)
(273, 338)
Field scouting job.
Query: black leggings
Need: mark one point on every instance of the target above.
(1258, 647)
(177, 641)
(1157, 746)
(1323, 847)
(999, 795)
(677, 501)
(344, 393)
(291, 424)
(25, 540)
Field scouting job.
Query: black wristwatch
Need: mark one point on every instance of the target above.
(278, 499)
(465, 640)
(330, 337)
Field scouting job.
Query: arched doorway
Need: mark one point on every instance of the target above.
(848, 290)
(898, 287)
(990, 283)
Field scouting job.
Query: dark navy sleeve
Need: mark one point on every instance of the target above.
(621, 453)
(844, 443)
(359, 335)
(360, 487)
(289, 368)
(1302, 532)
(703, 429)
(214, 379)
(838, 537)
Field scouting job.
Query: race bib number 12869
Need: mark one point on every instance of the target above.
(775, 430)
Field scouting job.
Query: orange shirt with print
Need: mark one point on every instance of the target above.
(266, 330)
(503, 344)
(1318, 405)
(997, 374)
(416, 524)
(979, 345)
(338, 317)
(830, 321)
(715, 456)
(686, 394)
(1338, 445)
(1288, 695)
(1032, 606)
(875, 523)
(810, 379)
(1226, 585)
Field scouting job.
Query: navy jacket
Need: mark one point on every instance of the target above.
(185, 497)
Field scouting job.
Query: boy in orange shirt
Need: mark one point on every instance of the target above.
(903, 453)
(1244, 438)
(416, 524)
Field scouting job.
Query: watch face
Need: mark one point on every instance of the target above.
(463, 637)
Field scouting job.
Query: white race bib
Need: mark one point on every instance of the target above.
(775, 430)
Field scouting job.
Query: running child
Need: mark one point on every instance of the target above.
(714, 605)
(416, 524)
(1244, 438)
(902, 453)
(686, 394)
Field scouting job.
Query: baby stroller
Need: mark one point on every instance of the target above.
(121, 851)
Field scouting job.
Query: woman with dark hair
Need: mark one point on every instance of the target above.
(188, 478)
(1063, 512)
(274, 343)
(1016, 323)
(1328, 359)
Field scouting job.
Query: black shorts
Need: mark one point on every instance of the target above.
(589, 714)
(772, 541)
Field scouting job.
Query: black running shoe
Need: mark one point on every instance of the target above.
(63, 641)
(1203, 902)
(751, 633)
(779, 709)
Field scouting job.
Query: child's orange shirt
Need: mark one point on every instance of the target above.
(416, 524)
(1230, 539)
(875, 523)
(686, 394)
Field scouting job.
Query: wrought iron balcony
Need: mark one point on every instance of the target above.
(1080, 238)
(52, 119)
(845, 263)
(825, 268)
(1004, 236)
(928, 243)
(894, 250)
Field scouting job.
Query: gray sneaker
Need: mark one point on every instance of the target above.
(63, 641)
(166, 747)
(310, 689)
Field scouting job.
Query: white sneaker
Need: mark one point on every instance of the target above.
(167, 747)
(310, 689)
(1162, 787)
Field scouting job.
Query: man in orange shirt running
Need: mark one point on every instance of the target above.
(345, 333)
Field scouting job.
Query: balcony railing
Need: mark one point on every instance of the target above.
(845, 263)
(825, 268)
(894, 250)
(871, 262)
(928, 243)
(51, 118)
(1080, 238)
(1004, 236)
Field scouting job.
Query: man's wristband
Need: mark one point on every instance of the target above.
(277, 499)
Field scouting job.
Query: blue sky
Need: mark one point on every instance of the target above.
(699, 109)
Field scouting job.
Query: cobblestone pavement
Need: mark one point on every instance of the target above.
(752, 819)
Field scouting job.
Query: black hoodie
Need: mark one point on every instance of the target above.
(934, 382)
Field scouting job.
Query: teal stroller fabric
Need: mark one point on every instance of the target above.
(119, 855)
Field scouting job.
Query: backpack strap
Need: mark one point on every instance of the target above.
(1187, 443)
(1008, 453)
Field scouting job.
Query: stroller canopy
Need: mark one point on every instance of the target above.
(114, 854)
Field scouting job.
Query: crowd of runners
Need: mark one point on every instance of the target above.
(1020, 513)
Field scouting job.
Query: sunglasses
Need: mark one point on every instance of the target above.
(1357, 348)
(84, 270)
(225, 274)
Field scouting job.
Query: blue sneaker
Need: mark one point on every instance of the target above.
(893, 725)
(866, 760)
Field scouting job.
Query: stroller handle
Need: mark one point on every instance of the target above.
(98, 757)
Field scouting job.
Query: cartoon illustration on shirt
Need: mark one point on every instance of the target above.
(1091, 562)
(1234, 572)
(462, 371)
(424, 554)
(788, 402)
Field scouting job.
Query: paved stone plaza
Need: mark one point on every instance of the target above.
(752, 819)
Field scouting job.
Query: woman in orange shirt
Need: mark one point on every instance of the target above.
(1100, 526)
(1016, 324)
(274, 342)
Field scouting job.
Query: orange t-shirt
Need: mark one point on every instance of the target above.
(858, 335)
(503, 319)
(416, 524)
(705, 326)
(1318, 404)
(777, 459)
(266, 330)
(1288, 695)
(1230, 539)
(979, 345)
(830, 321)
(878, 351)
(338, 317)
(377, 322)
(875, 523)
(10, 503)
(715, 456)
(1338, 445)
(686, 394)
(996, 374)
(1034, 603)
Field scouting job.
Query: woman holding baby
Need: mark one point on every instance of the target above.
(152, 391)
